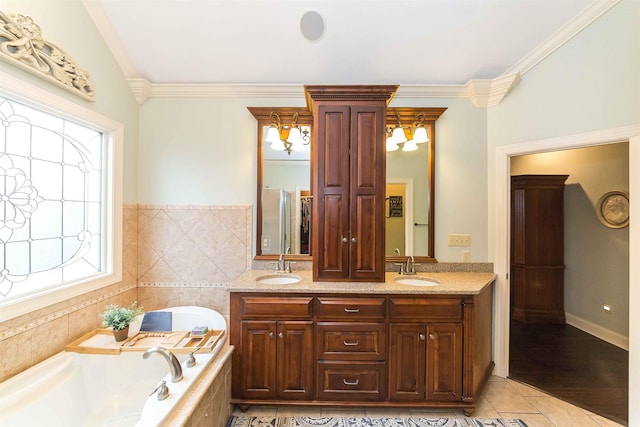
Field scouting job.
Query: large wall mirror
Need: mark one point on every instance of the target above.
(283, 188)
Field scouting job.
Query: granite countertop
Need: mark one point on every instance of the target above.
(454, 283)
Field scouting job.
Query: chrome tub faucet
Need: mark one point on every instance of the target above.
(174, 363)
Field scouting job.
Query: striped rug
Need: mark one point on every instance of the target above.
(250, 421)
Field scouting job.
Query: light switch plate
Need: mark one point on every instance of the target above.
(459, 239)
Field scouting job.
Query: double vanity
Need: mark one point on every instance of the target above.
(419, 340)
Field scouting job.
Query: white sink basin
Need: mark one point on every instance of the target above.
(278, 279)
(416, 281)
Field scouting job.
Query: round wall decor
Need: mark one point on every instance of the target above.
(613, 209)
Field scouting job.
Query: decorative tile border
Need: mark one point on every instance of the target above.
(181, 285)
(10, 332)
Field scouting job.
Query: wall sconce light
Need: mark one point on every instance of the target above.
(286, 138)
(417, 134)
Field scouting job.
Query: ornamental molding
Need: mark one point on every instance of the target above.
(21, 44)
(490, 92)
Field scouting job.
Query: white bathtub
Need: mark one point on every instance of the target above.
(88, 390)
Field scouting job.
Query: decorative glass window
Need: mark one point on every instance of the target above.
(60, 213)
(50, 200)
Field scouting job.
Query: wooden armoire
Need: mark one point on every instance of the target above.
(348, 179)
(537, 248)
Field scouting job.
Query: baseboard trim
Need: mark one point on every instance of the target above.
(598, 331)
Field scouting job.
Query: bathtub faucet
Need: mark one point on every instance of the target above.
(174, 363)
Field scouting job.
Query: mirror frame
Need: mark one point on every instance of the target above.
(406, 114)
(263, 116)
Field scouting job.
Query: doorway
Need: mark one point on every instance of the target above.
(499, 228)
(557, 357)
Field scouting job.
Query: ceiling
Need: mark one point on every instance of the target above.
(436, 42)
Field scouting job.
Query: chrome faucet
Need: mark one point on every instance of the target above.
(282, 265)
(411, 265)
(174, 363)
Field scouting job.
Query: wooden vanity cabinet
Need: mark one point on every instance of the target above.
(425, 350)
(276, 359)
(364, 349)
(351, 348)
(348, 181)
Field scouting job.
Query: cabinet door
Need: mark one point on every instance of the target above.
(349, 179)
(331, 239)
(444, 362)
(258, 361)
(295, 360)
(407, 348)
(367, 191)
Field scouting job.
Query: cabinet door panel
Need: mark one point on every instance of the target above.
(351, 381)
(356, 309)
(273, 307)
(425, 309)
(368, 187)
(259, 355)
(295, 360)
(444, 362)
(330, 178)
(351, 341)
(407, 348)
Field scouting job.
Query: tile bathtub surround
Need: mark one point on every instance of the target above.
(188, 254)
(193, 244)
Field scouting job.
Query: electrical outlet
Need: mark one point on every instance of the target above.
(466, 256)
(459, 239)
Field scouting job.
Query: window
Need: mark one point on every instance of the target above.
(60, 213)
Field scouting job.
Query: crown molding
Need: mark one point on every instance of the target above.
(595, 10)
(483, 93)
(490, 92)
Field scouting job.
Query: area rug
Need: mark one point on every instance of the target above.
(240, 421)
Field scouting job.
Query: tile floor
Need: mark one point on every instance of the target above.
(503, 398)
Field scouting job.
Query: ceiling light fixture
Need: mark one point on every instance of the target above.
(417, 134)
(284, 138)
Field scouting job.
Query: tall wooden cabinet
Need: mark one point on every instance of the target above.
(537, 248)
(348, 177)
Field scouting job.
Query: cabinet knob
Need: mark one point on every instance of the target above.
(353, 240)
(421, 336)
(347, 382)
(270, 334)
(432, 337)
(280, 335)
(344, 239)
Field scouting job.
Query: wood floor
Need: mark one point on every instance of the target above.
(572, 365)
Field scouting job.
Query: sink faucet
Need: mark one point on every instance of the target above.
(282, 265)
(174, 364)
(411, 265)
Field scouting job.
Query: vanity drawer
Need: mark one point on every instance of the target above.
(351, 341)
(351, 308)
(351, 381)
(425, 309)
(256, 306)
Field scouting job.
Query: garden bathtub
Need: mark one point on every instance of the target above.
(73, 389)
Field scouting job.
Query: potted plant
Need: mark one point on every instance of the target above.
(118, 318)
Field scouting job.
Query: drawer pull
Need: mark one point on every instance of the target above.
(351, 310)
(346, 382)
(421, 336)
(351, 343)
